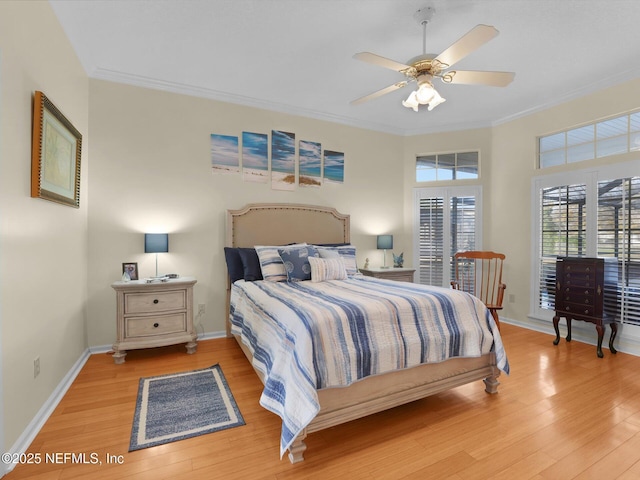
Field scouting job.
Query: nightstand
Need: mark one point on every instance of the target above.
(154, 315)
(398, 274)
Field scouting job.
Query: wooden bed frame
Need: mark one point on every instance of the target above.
(279, 224)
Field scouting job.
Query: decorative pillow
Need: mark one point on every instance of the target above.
(234, 263)
(271, 263)
(346, 252)
(296, 262)
(323, 269)
(251, 270)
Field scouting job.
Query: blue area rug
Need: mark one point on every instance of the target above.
(182, 405)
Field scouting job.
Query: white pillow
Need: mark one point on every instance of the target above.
(346, 252)
(323, 269)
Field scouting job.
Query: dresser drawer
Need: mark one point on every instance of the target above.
(154, 302)
(579, 309)
(157, 325)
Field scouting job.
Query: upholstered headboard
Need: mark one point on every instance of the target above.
(283, 223)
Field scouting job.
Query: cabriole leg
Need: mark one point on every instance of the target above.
(600, 329)
(614, 332)
(556, 319)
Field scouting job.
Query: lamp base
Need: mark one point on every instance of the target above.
(384, 259)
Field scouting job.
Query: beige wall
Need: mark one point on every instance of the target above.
(151, 169)
(43, 245)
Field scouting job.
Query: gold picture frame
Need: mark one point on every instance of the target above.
(55, 154)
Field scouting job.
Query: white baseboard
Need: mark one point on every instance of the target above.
(29, 434)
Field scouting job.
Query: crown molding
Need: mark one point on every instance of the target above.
(201, 92)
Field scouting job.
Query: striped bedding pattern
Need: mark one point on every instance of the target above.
(306, 336)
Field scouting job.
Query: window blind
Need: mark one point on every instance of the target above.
(446, 227)
(619, 237)
(563, 230)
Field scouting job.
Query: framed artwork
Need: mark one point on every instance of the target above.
(310, 159)
(55, 154)
(130, 269)
(283, 160)
(224, 154)
(255, 157)
(333, 167)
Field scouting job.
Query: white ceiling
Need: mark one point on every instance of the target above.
(295, 56)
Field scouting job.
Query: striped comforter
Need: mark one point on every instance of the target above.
(306, 336)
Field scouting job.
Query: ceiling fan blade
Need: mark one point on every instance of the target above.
(470, 77)
(470, 42)
(379, 93)
(381, 61)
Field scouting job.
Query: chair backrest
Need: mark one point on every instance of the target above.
(480, 273)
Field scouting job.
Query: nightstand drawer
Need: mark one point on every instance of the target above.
(154, 302)
(158, 325)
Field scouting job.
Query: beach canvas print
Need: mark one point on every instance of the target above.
(333, 167)
(310, 154)
(224, 154)
(283, 160)
(255, 157)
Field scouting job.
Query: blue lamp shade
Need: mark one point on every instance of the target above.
(156, 242)
(385, 242)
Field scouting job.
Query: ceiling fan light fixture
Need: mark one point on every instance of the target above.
(424, 95)
(411, 101)
(435, 101)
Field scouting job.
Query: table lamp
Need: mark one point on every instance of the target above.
(156, 243)
(385, 242)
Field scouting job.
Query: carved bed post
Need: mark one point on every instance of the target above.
(297, 448)
(491, 382)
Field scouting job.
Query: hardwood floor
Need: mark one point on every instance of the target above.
(563, 413)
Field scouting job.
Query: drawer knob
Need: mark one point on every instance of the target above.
(156, 325)
(155, 300)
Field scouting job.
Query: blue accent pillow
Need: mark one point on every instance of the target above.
(234, 264)
(250, 264)
(296, 262)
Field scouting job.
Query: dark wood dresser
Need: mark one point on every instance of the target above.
(586, 290)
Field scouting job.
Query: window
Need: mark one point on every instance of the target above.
(562, 233)
(447, 166)
(590, 213)
(447, 221)
(609, 137)
(619, 237)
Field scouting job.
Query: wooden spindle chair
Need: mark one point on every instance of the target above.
(480, 273)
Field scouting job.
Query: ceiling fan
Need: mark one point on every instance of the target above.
(424, 68)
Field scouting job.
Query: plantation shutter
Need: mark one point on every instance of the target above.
(447, 224)
(431, 238)
(619, 236)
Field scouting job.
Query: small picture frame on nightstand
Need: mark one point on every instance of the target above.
(131, 269)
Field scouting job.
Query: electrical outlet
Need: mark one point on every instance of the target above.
(36, 367)
(201, 307)
(512, 298)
